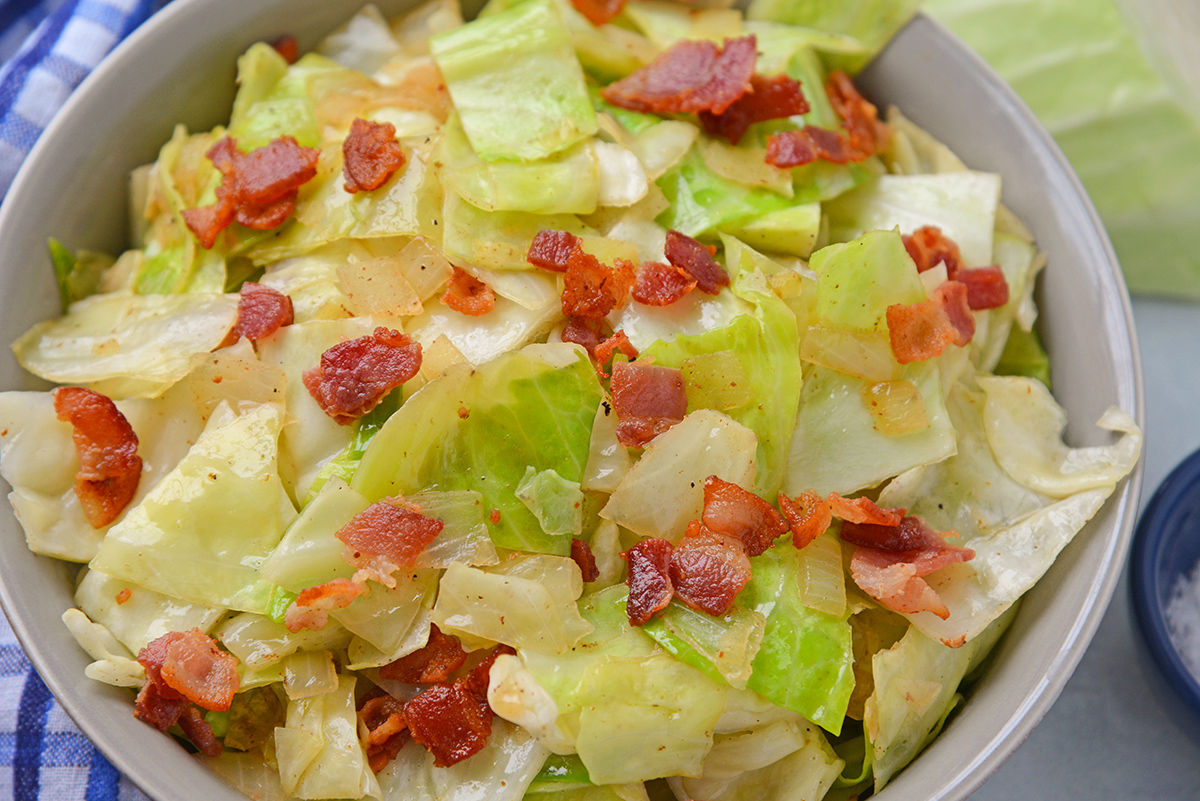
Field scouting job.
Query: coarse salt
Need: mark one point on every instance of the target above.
(1183, 619)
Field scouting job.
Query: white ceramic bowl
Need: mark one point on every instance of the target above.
(180, 67)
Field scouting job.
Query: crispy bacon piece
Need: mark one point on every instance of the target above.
(659, 284)
(741, 515)
(861, 135)
(476, 682)
(986, 286)
(551, 250)
(435, 662)
(311, 608)
(606, 349)
(450, 721)
(382, 715)
(370, 155)
(649, 579)
(581, 554)
(808, 514)
(909, 534)
(920, 331)
(697, 261)
(860, 119)
(768, 99)
(201, 672)
(896, 578)
(583, 332)
(599, 12)
(689, 76)
(592, 289)
(261, 312)
(258, 189)
(353, 377)
(467, 294)
(864, 510)
(288, 47)
(648, 400)
(199, 732)
(708, 570)
(109, 467)
(797, 147)
(387, 535)
(929, 247)
(185, 668)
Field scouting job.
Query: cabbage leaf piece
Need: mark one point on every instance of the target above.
(479, 430)
(141, 615)
(765, 345)
(805, 661)
(871, 22)
(916, 684)
(318, 750)
(782, 760)
(500, 772)
(126, 345)
(1015, 530)
(521, 58)
(201, 534)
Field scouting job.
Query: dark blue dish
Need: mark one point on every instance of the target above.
(1166, 546)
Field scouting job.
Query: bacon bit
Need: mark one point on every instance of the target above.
(353, 377)
(896, 578)
(109, 467)
(605, 350)
(929, 247)
(123, 596)
(288, 47)
(697, 261)
(649, 579)
(183, 668)
(909, 534)
(311, 607)
(648, 400)
(476, 682)
(808, 514)
(689, 76)
(435, 662)
(598, 12)
(860, 119)
(494, 517)
(370, 155)
(383, 717)
(258, 189)
(581, 554)
(920, 331)
(708, 570)
(986, 286)
(387, 535)
(583, 332)
(449, 721)
(861, 135)
(661, 284)
(592, 289)
(741, 515)
(768, 99)
(552, 250)
(261, 312)
(199, 732)
(201, 672)
(467, 294)
(864, 510)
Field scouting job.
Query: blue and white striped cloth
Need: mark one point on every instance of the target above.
(47, 47)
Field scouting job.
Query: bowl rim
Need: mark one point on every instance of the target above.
(1159, 523)
(182, 16)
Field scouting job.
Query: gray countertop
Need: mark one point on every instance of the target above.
(1109, 735)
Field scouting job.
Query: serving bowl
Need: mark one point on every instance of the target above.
(179, 67)
(1166, 548)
